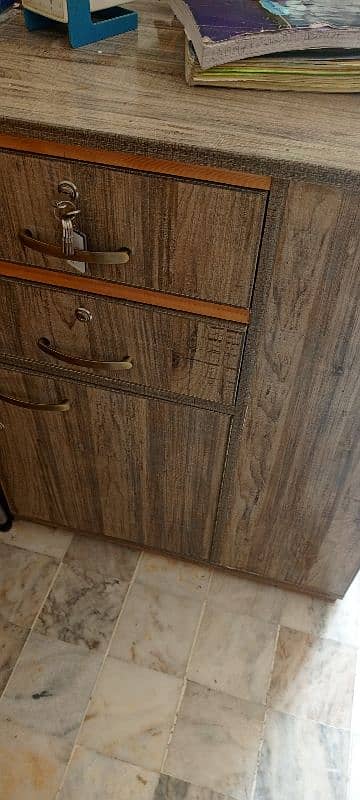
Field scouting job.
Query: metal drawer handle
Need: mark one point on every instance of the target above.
(64, 405)
(45, 345)
(89, 256)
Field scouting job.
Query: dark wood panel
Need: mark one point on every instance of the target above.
(186, 238)
(172, 352)
(291, 501)
(144, 470)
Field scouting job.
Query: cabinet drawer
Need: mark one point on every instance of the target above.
(173, 352)
(189, 238)
(107, 462)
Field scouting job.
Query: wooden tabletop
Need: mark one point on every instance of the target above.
(128, 93)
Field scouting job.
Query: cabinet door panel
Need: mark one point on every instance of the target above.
(148, 471)
(186, 237)
(291, 501)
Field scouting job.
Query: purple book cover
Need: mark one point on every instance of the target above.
(261, 26)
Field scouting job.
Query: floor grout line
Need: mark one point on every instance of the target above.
(352, 734)
(101, 667)
(266, 710)
(32, 626)
(185, 679)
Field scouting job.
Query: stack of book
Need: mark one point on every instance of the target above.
(297, 45)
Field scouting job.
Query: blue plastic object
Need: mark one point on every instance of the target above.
(4, 4)
(85, 27)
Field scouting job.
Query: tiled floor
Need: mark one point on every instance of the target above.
(129, 676)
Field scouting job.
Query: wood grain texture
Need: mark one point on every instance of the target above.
(143, 470)
(106, 289)
(135, 162)
(129, 94)
(186, 238)
(171, 352)
(290, 508)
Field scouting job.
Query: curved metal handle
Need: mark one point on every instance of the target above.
(45, 345)
(88, 256)
(64, 405)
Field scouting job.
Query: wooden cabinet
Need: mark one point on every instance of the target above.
(186, 237)
(134, 468)
(168, 351)
(234, 445)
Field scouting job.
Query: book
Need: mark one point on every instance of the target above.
(223, 31)
(319, 71)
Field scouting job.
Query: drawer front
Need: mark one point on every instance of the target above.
(168, 351)
(194, 239)
(107, 462)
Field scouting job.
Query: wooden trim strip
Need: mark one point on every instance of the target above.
(144, 163)
(149, 297)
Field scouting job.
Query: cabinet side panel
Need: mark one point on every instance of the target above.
(291, 500)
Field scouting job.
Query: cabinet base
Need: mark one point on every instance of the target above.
(240, 573)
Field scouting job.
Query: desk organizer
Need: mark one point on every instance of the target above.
(84, 26)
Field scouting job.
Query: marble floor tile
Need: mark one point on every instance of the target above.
(313, 678)
(355, 719)
(174, 576)
(108, 558)
(25, 578)
(156, 629)
(31, 764)
(216, 741)
(12, 639)
(82, 607)
(92, 776)
(131, 713)
(173, 789)
(301, 760)
(39, 538)
(5, 675)
(339, 621)
(234, 653)
(354, 787)
(50, 687)
(241, 596)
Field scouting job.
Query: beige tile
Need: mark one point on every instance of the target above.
(354, 787)
(108, 558)
(339, 621)
(39, 538)
(301, 760)
(355, 719)
(156, 629)
(31, 764)
(82, 607)
(241, 596)
(4, 677)
(174, 576)
(12, 639)
(313, 678)
(131, 713)
(173, 789)
(25, 578)
(92, 776)
(234, 654)
(50, 687)
(216, 741)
